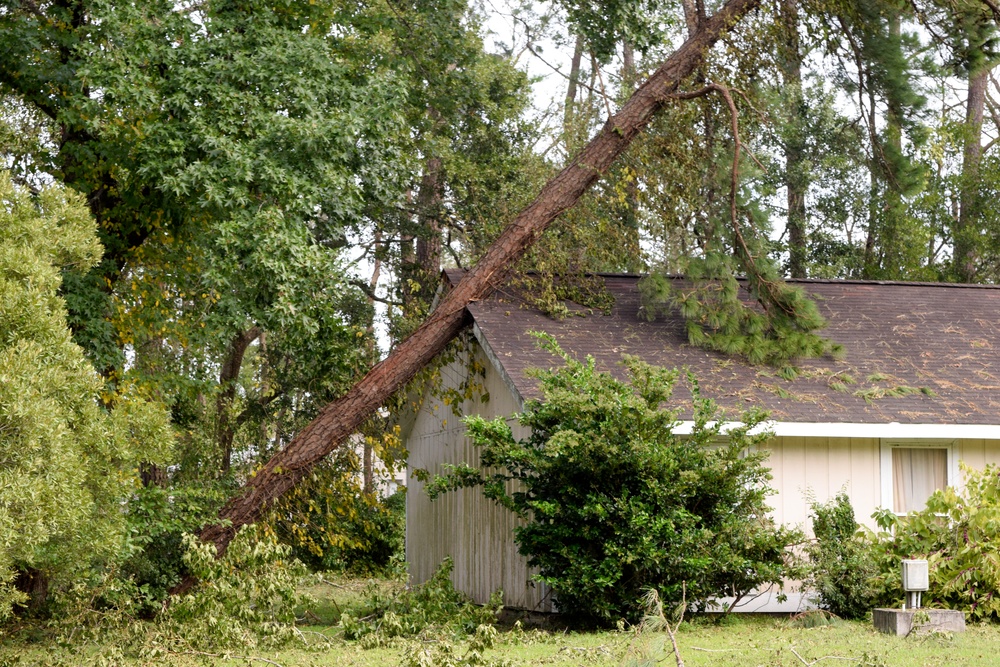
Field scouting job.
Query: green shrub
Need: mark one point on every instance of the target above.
(245, 599)
(615, 502)
(958, 535)
(158, 517)
(843, 568)
(332, 525)
(378, 532)
(434, 607)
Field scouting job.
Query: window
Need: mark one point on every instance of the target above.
(913, 470)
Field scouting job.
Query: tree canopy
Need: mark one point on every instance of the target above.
(273, 183)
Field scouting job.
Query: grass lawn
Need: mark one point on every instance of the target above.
(739, 641)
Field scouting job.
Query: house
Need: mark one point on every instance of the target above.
(916, 392)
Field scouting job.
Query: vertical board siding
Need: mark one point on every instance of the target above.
(816, 469)
(476, 533)
(972, 453)
(977, 453)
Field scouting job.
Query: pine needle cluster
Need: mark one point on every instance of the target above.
(759, 317)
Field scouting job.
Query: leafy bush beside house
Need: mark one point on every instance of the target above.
(616, 503)
(844, 568)
(958, 532)
(959, 535)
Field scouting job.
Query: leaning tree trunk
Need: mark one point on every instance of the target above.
(341, 418)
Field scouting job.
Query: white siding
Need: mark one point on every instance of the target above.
(978, 453)
(475, 532)
(807, 469)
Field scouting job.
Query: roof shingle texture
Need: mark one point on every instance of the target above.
(943, 338)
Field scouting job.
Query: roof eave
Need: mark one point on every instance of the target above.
(860, 430)
(497, 365)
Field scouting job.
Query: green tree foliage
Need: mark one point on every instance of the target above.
(158, 516)
(232, 153)
(605, 24)
(615, 502)
(778, 328)
(471, 130)
(249, 597)
(201, 123)
(433, 608)
(67, 464)
(332, 524)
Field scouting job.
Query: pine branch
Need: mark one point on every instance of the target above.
(774, 291)
(994, 9)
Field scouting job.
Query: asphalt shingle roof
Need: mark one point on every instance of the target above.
(942, 338)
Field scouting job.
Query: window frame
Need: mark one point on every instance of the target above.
(885, 463)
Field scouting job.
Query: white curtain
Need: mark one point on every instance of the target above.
(917, 472)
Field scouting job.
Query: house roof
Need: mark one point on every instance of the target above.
(942, 339)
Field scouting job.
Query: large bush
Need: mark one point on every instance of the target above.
(958, 535)
(615, 502)
(66, 463)
(843, 566)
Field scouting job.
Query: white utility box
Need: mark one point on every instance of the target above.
(915, 577)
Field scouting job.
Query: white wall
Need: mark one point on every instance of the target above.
(806, 469)
(475, 532)
(818, 468)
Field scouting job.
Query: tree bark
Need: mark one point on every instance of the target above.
(628, 65)
(630, 212)
(35, 584)
(341, 418)
(893, 238)
(569, 110)
(368, 468)
(227, 392)
(429, 213)
(691, 17)
(796, 182)
(969, 209)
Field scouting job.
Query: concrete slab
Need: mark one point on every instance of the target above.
(918, 621)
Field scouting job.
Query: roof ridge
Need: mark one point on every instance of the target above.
(807, 281)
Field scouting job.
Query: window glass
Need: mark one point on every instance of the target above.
(917, 472)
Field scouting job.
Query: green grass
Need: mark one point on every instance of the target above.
(739, 641)
(753, 641)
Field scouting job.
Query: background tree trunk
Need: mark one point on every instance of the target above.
(429, 214)
(969, 210)
(35, 584)
(227, 392)
(570, 129)
(341, 418)
(630, 212)
(796, 182)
